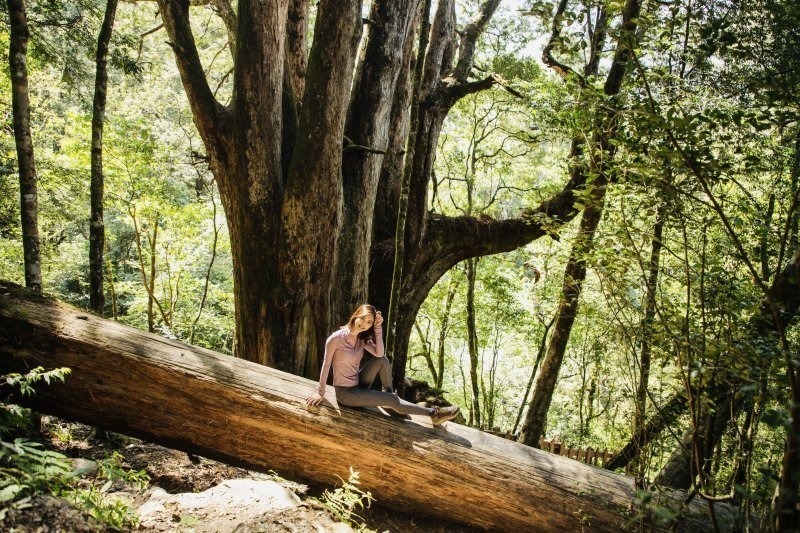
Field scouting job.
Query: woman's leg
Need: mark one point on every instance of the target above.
(376, 366)
(359, 397)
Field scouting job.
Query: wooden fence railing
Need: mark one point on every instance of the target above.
(589, 455)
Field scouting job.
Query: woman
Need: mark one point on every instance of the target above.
(344, 351)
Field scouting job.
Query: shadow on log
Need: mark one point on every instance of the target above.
(238, 412)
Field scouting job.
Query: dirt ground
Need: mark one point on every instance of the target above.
(195, 494)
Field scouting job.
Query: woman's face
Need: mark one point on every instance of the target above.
(363, 323)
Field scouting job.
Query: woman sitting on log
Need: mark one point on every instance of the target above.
(344, 350)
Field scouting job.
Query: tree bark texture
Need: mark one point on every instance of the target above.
(283, 209)
(400, 222)
(21, 111)
(233, 410)
(97, 235)
(312, 201)
(366, 143)
(297, 46)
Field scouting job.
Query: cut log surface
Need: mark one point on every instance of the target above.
(239, 412)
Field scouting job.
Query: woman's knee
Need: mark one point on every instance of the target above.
(393, 400)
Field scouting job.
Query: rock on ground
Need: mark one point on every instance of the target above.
(235, 505)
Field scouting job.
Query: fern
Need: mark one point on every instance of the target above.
(27, 464)
(26, 467)
(9, 492)
(345, 500)
(13, 417)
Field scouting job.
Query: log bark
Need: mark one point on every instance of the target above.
(233, 410)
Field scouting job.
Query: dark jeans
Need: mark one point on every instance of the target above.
(362, 396)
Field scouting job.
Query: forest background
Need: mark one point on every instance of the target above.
(653, 314)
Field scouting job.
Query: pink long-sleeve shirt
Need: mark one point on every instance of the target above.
(345, 357)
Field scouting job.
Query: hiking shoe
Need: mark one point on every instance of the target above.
(440, 415)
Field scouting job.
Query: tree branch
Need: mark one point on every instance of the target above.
(440, 38)
(448, 241)
(206, 109)
(469, 38)
(350, 145)
(453, 90)
(561, 69)
(226, 13)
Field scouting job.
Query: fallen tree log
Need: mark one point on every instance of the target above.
(224, 408)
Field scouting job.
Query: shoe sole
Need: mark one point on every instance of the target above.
(445, 419)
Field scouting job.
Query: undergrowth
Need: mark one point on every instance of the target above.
(27, 469)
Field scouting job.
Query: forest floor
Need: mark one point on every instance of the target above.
(195, 494)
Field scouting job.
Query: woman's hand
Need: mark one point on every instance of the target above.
(314, 399)
(378, 319)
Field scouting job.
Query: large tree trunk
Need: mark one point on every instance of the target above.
(391, 176)
(278, 166)
(367, 139)
(296, 223)
(21, 110)
(403, 197)
(277, 159)
(97, 232)
(311, 214)
(229, 409)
